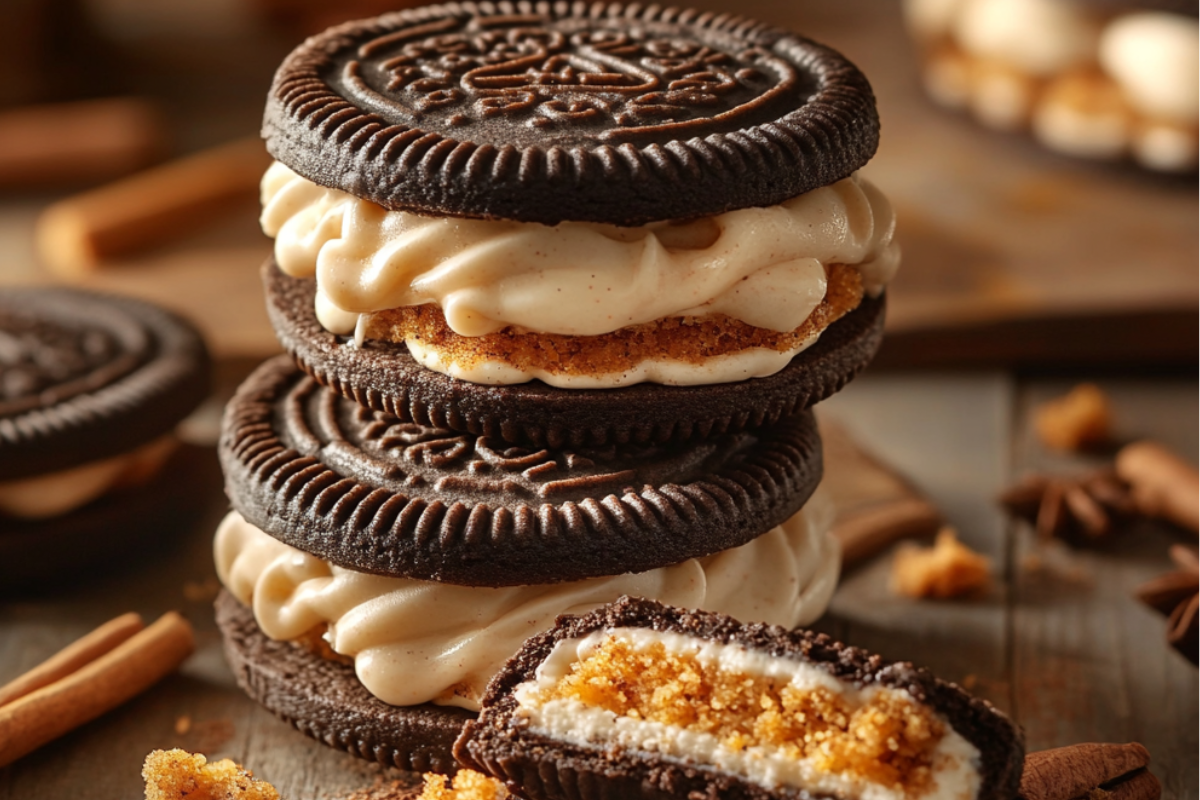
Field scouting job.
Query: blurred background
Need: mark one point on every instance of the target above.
(1014, 256)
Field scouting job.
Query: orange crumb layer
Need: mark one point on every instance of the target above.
(889, 740)
(467, 785)
(687, 339)
(948, 569)
(178, 774)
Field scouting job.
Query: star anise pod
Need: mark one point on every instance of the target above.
(1175, 594)
(1077, 509)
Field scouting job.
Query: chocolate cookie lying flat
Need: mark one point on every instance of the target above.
(547, 112)
(324, 699)
(369, 492)
(85, 376)
(383, 376)
(641, 700)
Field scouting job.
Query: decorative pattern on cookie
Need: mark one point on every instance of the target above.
(384, 376)
(372, 493)
(641, 700)
(85, 376)
(323, 699)
(549, 111)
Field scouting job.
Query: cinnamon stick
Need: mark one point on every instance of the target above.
(73, 656)
(78, 143)
(130, 668)
(1163, 485)
(1066, 773)
(153, 207)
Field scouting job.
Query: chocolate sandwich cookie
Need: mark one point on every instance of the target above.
(576, 197)
(641, 700)
(369, 492)
(385, 377)
(91, 389)
(323, 699)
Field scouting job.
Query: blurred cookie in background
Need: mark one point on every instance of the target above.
(1095, 79)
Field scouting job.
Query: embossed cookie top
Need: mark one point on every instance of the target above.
(85, 376)
(546, 112)
(369, 492)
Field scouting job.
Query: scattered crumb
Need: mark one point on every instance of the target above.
(1081, 418)
(183, 724)
(467, 785)
(178, 774)
(948, 569)
(204, 591)
(969, 681)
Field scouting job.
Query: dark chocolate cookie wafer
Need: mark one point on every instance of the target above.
(545, 112)
(383, 376)
(85, 376)
(118, 530)
(590, 756)
(372, 493)
(325, 700)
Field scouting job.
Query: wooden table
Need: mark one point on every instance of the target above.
(1065, 650)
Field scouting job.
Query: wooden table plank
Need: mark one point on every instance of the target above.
(1091, 662)
(945, 432)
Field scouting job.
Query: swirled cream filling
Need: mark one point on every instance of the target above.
(765, 267)
(417, 641)
(773, 720)
(55, 493)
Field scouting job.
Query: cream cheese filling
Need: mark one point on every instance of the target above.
(417, 641)
(955, 762)
(762, 266)
(55, 493)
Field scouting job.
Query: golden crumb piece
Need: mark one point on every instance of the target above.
(885, 738)
(690, 340)
(467, 785)
(178, 774)
(1080, 418)
(948, 569)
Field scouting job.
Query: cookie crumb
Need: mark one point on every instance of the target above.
(948, 569)
(1079, 419)
(183, 724)
(178, 774)
(466, 785)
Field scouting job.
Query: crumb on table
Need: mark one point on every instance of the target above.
(948, 569)
(1078, 419)
(466, 785)
(178, 774)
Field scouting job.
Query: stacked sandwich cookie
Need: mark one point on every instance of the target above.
(92, 474)
(558, 285)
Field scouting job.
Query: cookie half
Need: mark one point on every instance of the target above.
(86, 376)
(385, 377)
(369, 492)
(604, 112)
(324, 699)
(641, 700)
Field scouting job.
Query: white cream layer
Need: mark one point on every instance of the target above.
(762, 266)
(56, 493)
(955, 764)
(416, 641)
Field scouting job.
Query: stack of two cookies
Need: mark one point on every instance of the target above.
(561, 283)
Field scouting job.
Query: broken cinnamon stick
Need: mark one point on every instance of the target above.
(153, 207)
(1163, 485)
(122, 673)
(78, 143)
